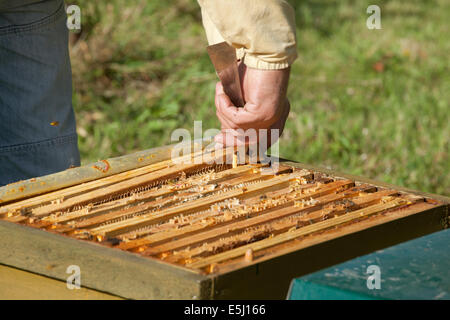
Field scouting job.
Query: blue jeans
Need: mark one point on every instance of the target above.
(37, 122)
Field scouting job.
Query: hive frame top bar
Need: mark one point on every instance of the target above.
(103, 168)
(356, 178)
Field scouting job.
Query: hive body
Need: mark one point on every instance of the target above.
(212, 225)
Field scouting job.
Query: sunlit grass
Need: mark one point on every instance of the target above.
(368, 102)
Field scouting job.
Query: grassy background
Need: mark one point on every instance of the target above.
(368, 102)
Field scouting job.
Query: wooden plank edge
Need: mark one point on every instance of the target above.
(17, 284)
(104, 269)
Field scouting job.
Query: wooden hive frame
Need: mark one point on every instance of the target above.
(255, 268)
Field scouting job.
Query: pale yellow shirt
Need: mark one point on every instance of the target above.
(262, 31)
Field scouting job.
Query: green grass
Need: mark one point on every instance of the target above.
(141, 70)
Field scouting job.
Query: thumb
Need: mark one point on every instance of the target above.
(221, 98)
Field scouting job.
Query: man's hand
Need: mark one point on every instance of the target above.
(266, 105)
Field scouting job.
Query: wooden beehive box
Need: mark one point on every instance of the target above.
(159, 230)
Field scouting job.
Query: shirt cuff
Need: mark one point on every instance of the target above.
(255, 62)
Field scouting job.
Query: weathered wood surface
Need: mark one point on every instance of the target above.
(104, 269)
(16, 284)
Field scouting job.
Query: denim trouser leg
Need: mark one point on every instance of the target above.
(37, 123)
